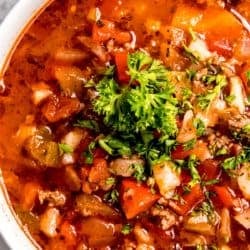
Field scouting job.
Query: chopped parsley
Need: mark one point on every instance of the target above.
(229, 99)
(199, 126)
(126, 229)
(88, 154)
(139, 172)
(193, 56)
(112, 196)
(189, 144)
(115, 146)
(65, 148)
(246, 128)
(248, 76)
(232, 163)
(90, 124)
(111, 181)
(192, 163)
(204, 100)
(191, 74)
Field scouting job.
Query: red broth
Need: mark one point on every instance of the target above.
(125, 125)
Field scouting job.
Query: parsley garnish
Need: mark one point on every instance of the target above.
(248, 76)
(90, 124)
(65, 148)
(189, 144)
(150, 104)
(126, 229)
(199, 126)
(111, 196)
(191, 74)
(111, 181)
(229, 99)
(88, 154)
(115, 146)
(192, 163)
(139, 172)
(246, 128)
(232, 163)
(205, 100)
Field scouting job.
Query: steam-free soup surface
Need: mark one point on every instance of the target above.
(125, 125)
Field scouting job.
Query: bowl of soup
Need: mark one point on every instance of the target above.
(125, 125)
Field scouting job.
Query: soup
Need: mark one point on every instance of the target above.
(126, 125)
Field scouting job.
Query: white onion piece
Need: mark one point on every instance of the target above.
(167, 178)
(236, 90)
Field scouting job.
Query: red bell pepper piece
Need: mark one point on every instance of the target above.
(103, 31)
(209, 170)
(189, 200)
(179, 153)
(224, 196)
(136, 198)
(121, 62)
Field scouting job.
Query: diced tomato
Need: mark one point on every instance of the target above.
(224, 196)
(121, 62)
(209, 170)
(179, 153)
(136, 198)
(200, 150)
(189, 200)
(99, 153)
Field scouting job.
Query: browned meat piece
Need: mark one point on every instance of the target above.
(239, 127)
(60, 107)
(167, 217)
(124, 166)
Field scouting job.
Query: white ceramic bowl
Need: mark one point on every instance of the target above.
(11, 30)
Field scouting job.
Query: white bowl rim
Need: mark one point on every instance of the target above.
(22, 15)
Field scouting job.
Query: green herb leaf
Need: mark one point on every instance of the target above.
(229, 99)
(189, 144)
(115, 146)
(246, 128)
(111, 181)
(139, 172)
(192, 163)
(126, 229)
(145, 106)
(199, 126)
(112, 196)
(65, 148)
(205, 100)
(88, 154)
(248, 75)
(90, 124)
